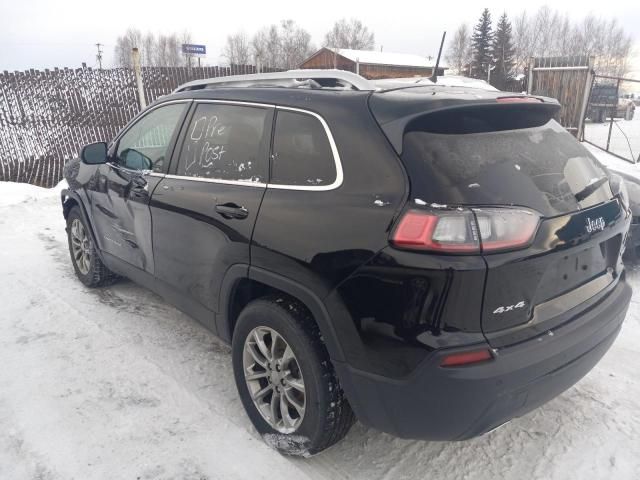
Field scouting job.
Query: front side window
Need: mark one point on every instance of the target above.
(226, 142)
(145, 145)
(302, 155)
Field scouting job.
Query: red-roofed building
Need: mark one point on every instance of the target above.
(373, 64)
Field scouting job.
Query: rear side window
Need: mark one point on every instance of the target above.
(226, 142)
(542, 167)
(302, 154)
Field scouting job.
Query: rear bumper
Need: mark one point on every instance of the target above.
(437, 403)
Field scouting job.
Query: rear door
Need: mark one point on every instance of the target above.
(205, 209)
(576, 252)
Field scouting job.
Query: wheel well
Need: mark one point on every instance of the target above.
(248, 290)
(68, 204)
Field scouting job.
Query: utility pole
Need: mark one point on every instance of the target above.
(137, 71)
(99, 55)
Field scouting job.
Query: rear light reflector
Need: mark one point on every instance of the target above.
(466, 231)
(466, 358)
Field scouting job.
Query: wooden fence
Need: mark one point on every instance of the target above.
(47, 116)
(568, 79)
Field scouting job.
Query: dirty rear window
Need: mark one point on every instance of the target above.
(542, 167)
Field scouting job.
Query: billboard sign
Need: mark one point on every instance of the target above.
(191, 49)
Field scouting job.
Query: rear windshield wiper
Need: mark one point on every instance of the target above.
(589, 189)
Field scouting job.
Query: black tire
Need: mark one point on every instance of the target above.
(97, 274)
(328, 415)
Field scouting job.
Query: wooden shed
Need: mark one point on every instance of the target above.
(372, 64)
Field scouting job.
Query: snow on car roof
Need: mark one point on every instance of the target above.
(444, 81)
(386, 58)
(460, 81)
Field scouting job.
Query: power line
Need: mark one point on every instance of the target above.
(99, 54)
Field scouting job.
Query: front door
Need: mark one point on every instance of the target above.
(204, 211)
(137, 160)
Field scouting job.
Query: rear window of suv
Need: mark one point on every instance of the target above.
(542, 167)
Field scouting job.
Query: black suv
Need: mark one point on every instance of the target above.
(433, 261)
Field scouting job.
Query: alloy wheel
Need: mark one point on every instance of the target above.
(80, 246)
(274, 379)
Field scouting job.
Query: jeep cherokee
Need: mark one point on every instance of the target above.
(433, 261)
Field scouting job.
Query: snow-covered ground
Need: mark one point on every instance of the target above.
(114, 383)
(625, 136)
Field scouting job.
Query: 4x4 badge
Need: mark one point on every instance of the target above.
(596, 225)
(509, 308)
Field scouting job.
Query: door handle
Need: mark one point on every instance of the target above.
(138, 187)
(231, 210)
(138, 181)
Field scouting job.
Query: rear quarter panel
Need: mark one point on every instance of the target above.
(319, 238)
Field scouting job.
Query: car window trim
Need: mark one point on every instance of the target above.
(140, 116)
(334, 150)
(186, 123)
(114, 144)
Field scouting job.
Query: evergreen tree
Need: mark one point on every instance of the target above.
(481, 44)
(503, 53)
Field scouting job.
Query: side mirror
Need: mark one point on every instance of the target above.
(94, 153)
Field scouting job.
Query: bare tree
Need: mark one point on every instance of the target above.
(267, 47)
(350, 34)
(122, 52)
(549, 33)
(185, 38)
(161, 50)
(281, 46)
(167, 52)
(237, 50)
(522, 40)
(148, 49)
(459, 51)
(295, 43)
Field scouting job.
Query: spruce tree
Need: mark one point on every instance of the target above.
(481, 44)
(503, 53)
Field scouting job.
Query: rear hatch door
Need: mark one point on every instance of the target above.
(478, 159)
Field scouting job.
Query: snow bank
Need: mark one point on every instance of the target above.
(12, 193)
(614, 163)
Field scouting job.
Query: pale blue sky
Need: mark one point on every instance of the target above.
(46, 33)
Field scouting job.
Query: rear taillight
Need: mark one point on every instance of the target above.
(518, 99)
(450, 231)
(466, 231)
(505, 228)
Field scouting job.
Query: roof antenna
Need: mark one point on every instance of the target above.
(434, 74)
